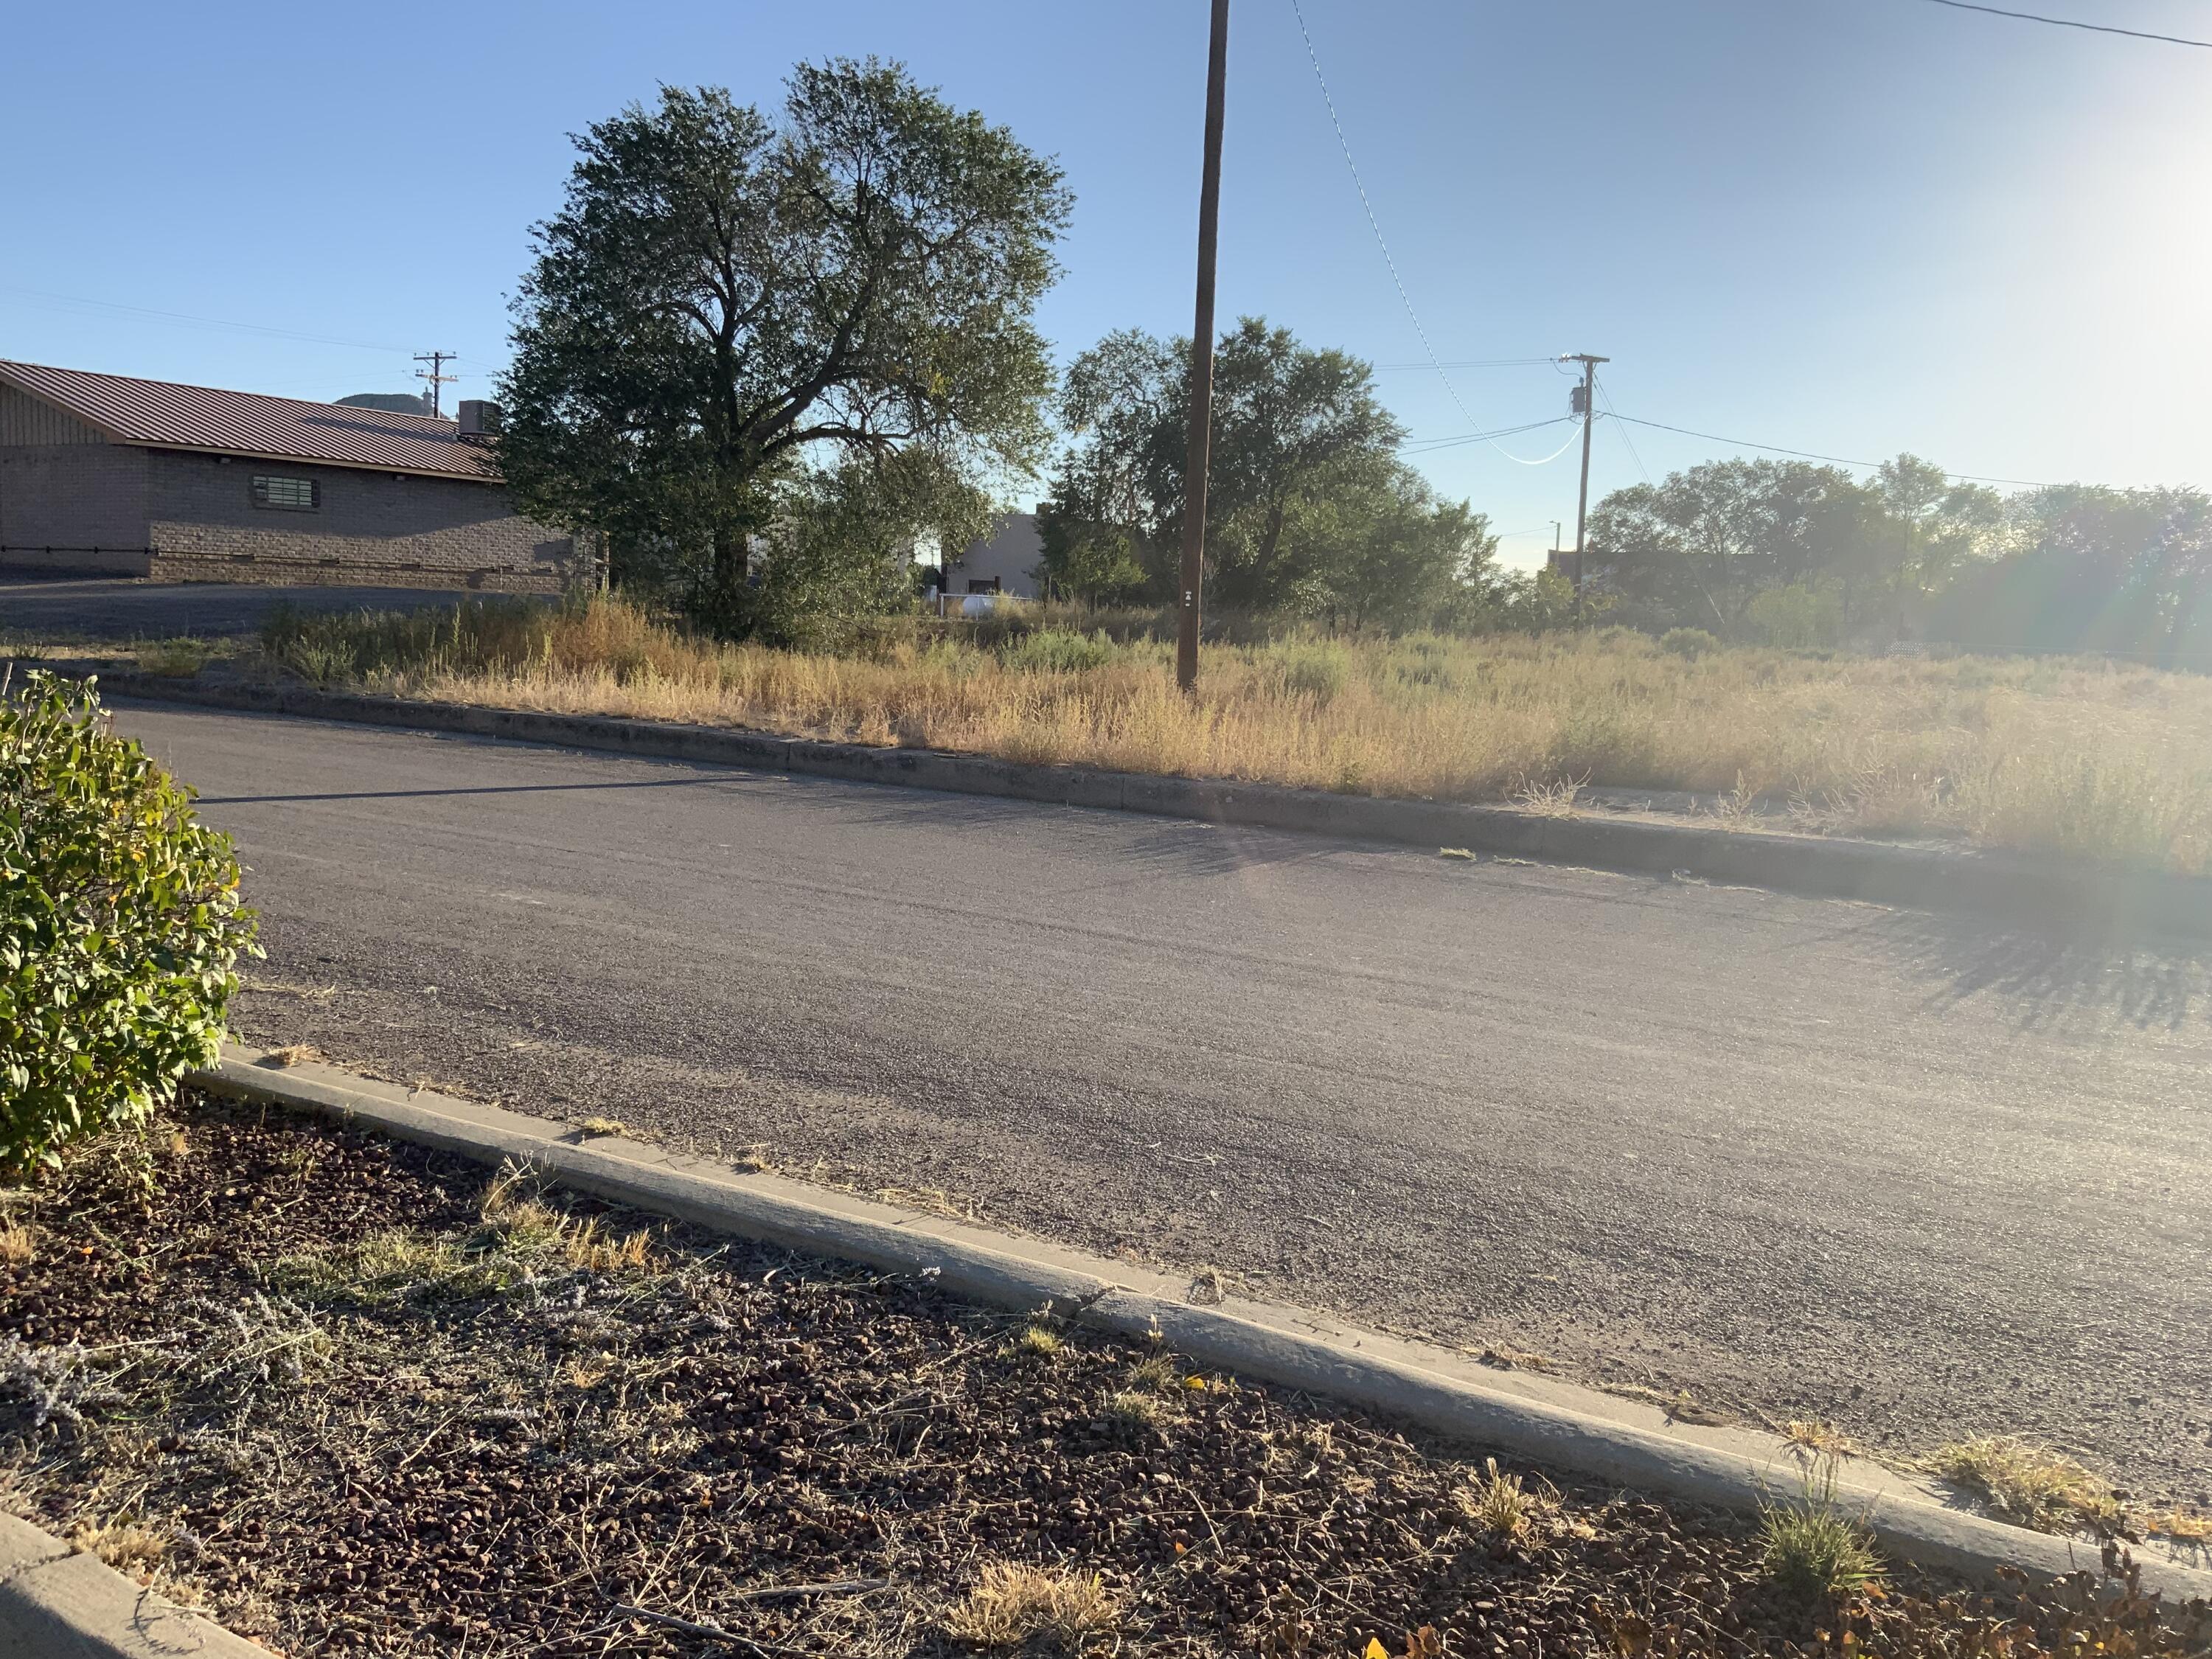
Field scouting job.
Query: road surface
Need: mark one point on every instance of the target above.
(1795, 1155)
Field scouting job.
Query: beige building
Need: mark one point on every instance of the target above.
(103, 474)
(1005, 562)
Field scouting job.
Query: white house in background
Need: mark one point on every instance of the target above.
(1004, 561)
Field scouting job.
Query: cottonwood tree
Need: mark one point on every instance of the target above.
(730, 303)
(1307, 506)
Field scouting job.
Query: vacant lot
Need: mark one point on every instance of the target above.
(357, 1398)
(2076, 759)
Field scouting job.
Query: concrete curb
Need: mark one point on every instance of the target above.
(57, 1602)
(2021, 890)
(1572, 1429)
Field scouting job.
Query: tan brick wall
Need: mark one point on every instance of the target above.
(369, 526)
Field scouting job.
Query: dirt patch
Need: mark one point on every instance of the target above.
(357, 1398)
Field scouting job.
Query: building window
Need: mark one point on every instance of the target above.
(293, 494)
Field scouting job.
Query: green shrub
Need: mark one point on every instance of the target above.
(1689, 642)
(1058, 651)
(120, 925)
(1314, 668)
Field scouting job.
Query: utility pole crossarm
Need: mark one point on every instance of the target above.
(436, 376)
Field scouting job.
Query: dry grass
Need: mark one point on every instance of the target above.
(132, 1550)
(2028, 1484)
(19, 1242)
(1816, 1438)
(1499, 1506)
(2077, 758)
(1039, 1342)
(1155, 1374)
(1035, 1610)
(1137, 1412)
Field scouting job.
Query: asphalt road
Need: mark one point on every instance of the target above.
(62, 609)
(1791, 1155)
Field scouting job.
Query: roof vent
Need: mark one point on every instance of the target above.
(479, 420)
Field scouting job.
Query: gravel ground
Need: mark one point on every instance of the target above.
(356, 1397)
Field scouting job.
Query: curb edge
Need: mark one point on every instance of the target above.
(2017, 889)
(1019, 1276)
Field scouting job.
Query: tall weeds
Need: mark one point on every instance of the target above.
(2077, 758)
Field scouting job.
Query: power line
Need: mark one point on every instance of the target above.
(1426, 446)
(1471, 362)
(1606, 398)
(1376, 225)
(2071, 23)
(1813, 455)
(204, 322)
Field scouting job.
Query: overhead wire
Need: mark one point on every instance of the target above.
(201, 322)
(1426, 446)
(1606, 398)
(1375, 224)
(2072, 23)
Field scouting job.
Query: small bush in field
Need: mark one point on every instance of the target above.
(1058, 650)
(120, 925)
(1689, 642)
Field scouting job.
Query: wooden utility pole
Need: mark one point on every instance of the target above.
(1586, 398)
(1201, 359)
(436, 376)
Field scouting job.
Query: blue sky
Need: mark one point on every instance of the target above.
(1846, 226)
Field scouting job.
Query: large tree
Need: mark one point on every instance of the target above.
(729, 307)
(1304, 483)
(1702, 546)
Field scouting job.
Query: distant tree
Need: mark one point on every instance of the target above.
(1305, 492)
(730, 310)
(1697, 549)
(1927, 526)
(392, 403)
(2093, 568)
(1400, 557)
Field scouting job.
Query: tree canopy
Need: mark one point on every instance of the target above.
(1307, 507)
(731, 308)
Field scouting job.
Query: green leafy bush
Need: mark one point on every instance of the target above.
(119, 924)
(1689, 642)
(1058, 650)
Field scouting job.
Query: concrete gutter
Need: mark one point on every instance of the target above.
(57, 1602)
(1563, 1425)
(2075, 898)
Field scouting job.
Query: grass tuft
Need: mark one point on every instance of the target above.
(2028, 1484)
(1157, 1374)
(1811, 1547)
(1037, 1609)
(132, 1550)
(19, 1242)
(1816, 1438)
(1499, 1506)
(1133, 1411)
(1040, 1341)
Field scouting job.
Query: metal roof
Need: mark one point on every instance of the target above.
(162, 416)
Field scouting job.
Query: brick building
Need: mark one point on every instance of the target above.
(101, 474)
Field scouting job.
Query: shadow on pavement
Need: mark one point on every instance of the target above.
(2048, 981)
